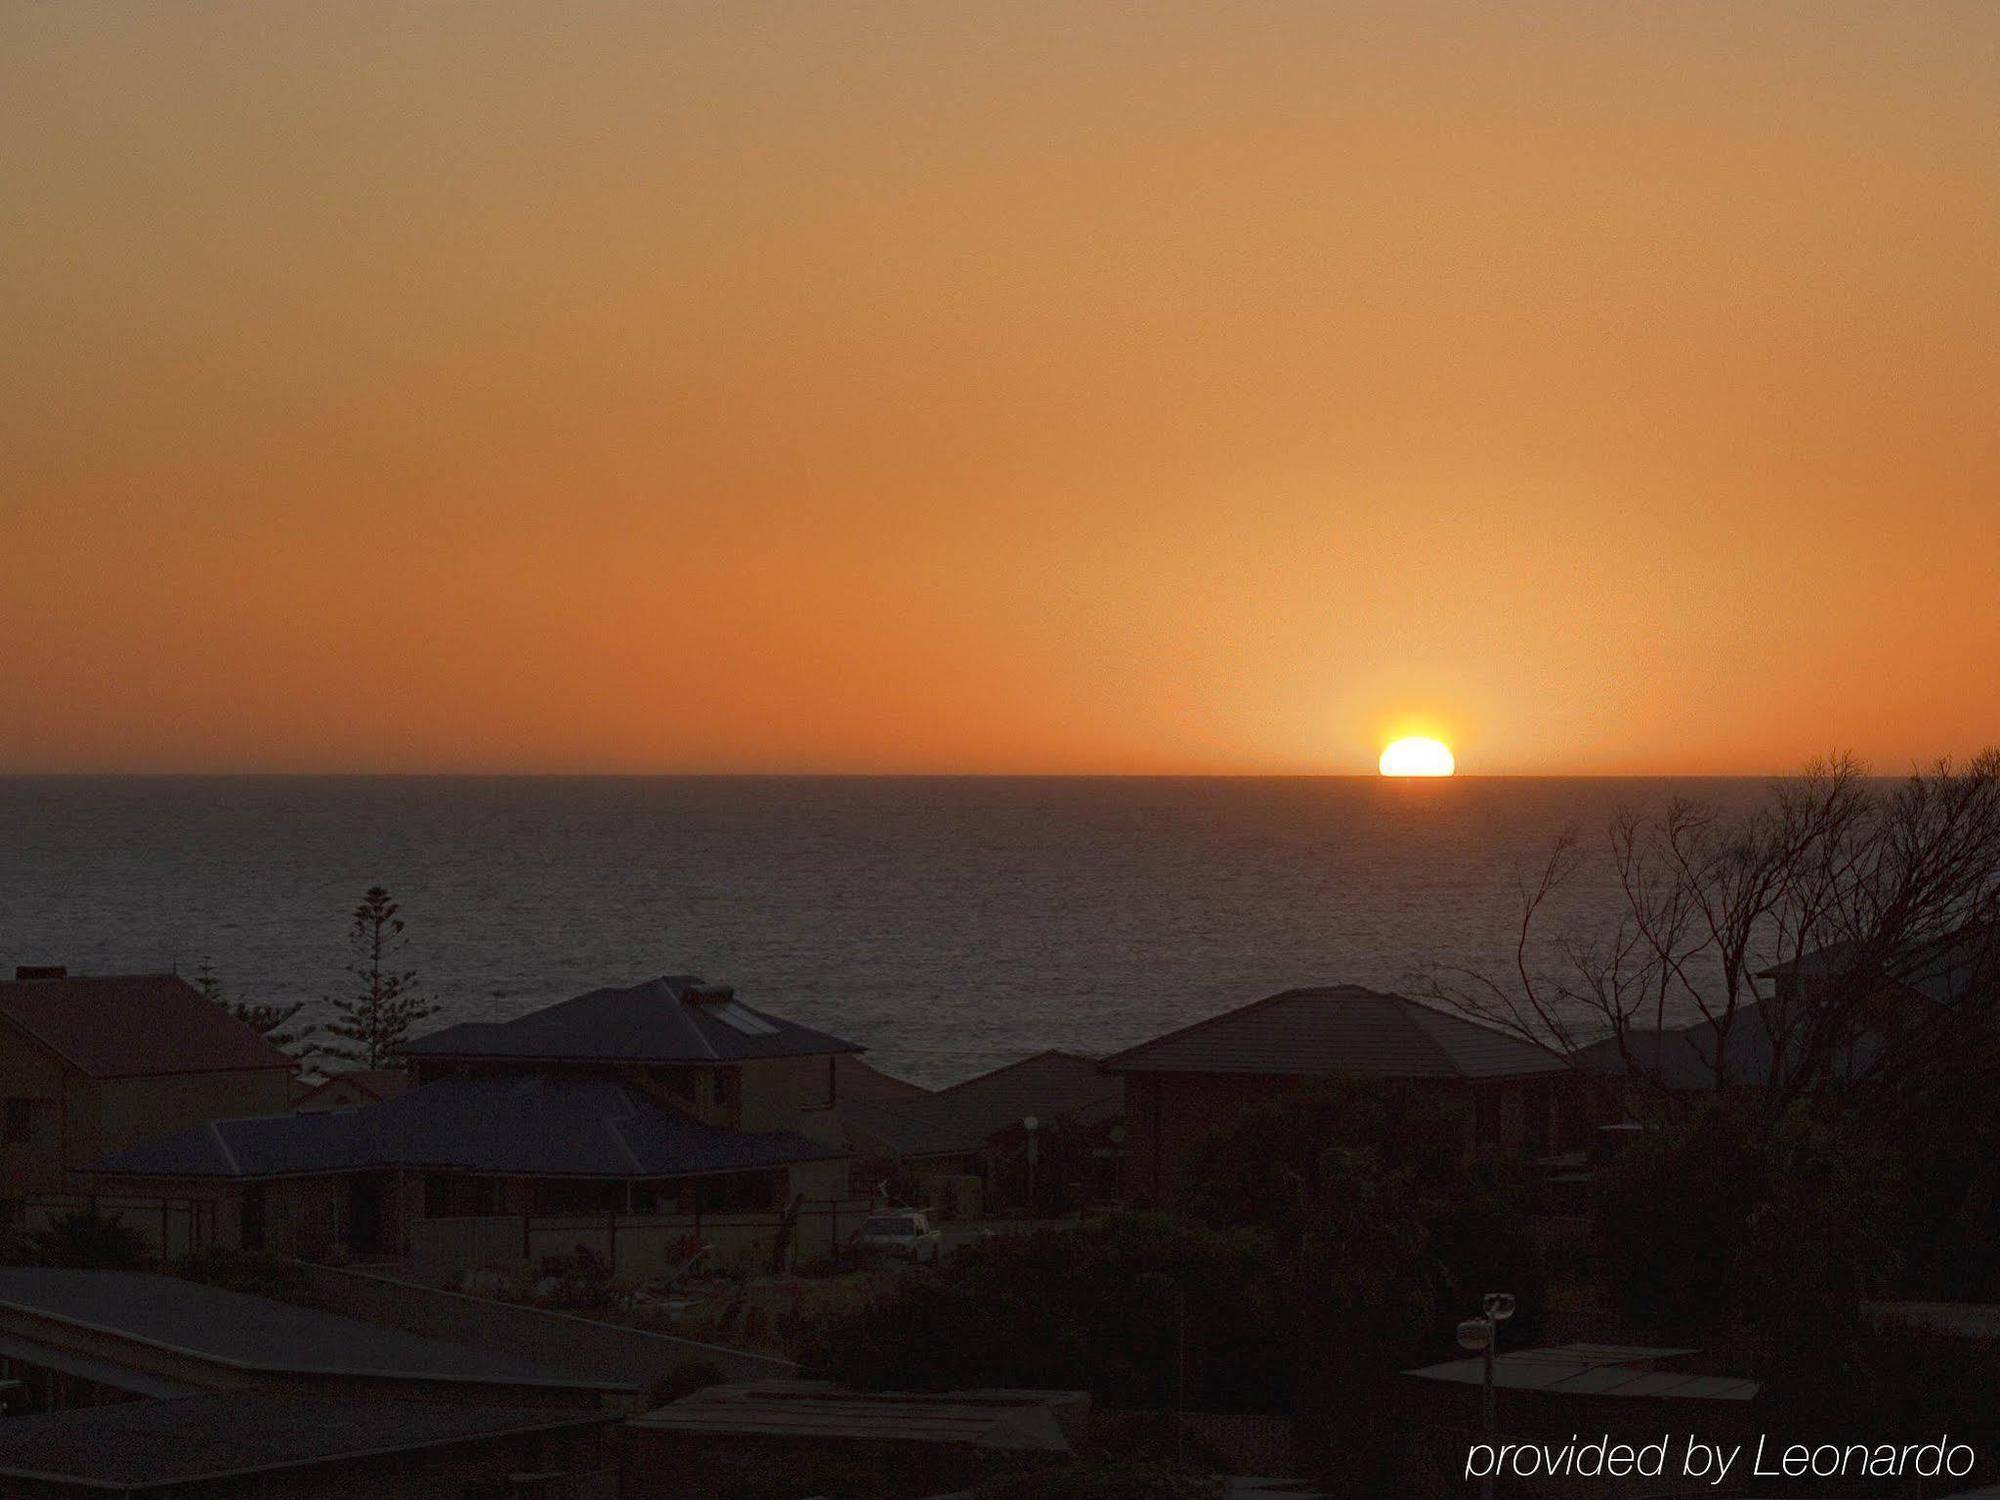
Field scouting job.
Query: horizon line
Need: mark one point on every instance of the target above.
(812, 775)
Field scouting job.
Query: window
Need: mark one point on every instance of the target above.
(20, 1128)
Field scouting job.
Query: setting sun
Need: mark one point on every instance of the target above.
(1418, 755)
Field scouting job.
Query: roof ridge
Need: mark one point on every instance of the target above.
(1104, 1065)
(1429, 1037)
(222, 1145)
(1019, 1062)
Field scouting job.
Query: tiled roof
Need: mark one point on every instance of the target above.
(134, 1025)
(1343, 1030)
(530, 1125)
(141, 1445)
(955, 1121)
(256, 1333)
(673, 1019)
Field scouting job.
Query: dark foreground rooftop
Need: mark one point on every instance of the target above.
(252, 1333)
(795, 1410)
(1594, 1370)
(139, 1445)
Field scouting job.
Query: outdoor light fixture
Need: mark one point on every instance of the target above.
(1480, 1336)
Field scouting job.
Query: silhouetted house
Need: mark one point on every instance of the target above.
(1700, 1057)
(255, 1445)
(353, 1089)
(1186, 1084)
(663, 1101)
(856, 1079)
(1958, 968)
(910, 1443)
(90, 1065)
(979, 1127)
(79, 1338)
(1832, 1010)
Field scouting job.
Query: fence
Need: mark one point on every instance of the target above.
(170, 1226)
(561, 1340)
(633, 1245)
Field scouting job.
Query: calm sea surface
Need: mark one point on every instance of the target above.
(950, 925)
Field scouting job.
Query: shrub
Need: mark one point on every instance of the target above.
(83, 1239)
(250, 1271)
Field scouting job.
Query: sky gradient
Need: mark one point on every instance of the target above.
(1011, 388)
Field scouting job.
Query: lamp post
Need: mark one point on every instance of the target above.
(1480, 1336)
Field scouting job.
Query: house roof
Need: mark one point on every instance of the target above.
(257, 1334)
(376, 1083)
(1340, 1030)
(960, 1119)
(674, 1019)
(529, 1125)
(142, 1445)
(1685, 1057)
(134, 1025)
(856, 1078)
(1014, 1421)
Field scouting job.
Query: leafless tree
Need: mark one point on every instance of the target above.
(1847, 887)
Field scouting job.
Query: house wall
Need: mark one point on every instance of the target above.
(789, 1093)
(132, 1110)
(74, 1119)
(30, 1071)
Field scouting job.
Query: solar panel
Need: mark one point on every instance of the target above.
(742, 1018)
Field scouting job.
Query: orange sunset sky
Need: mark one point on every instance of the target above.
(1013, 387)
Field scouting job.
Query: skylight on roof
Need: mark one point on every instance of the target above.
(741, 1018)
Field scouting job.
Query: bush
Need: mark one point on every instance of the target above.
(1374, 1182)
(253, 1272)
(1094, 1308)
(1721, 1220)
(84, 1240)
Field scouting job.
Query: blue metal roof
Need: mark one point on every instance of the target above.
(515, 1125)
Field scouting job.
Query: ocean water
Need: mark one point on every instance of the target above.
(949, 924)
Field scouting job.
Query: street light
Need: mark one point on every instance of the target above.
(1480, 1336)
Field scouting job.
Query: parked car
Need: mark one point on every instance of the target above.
(906, 1234)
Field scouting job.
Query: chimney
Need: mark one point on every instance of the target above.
(41, 971)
